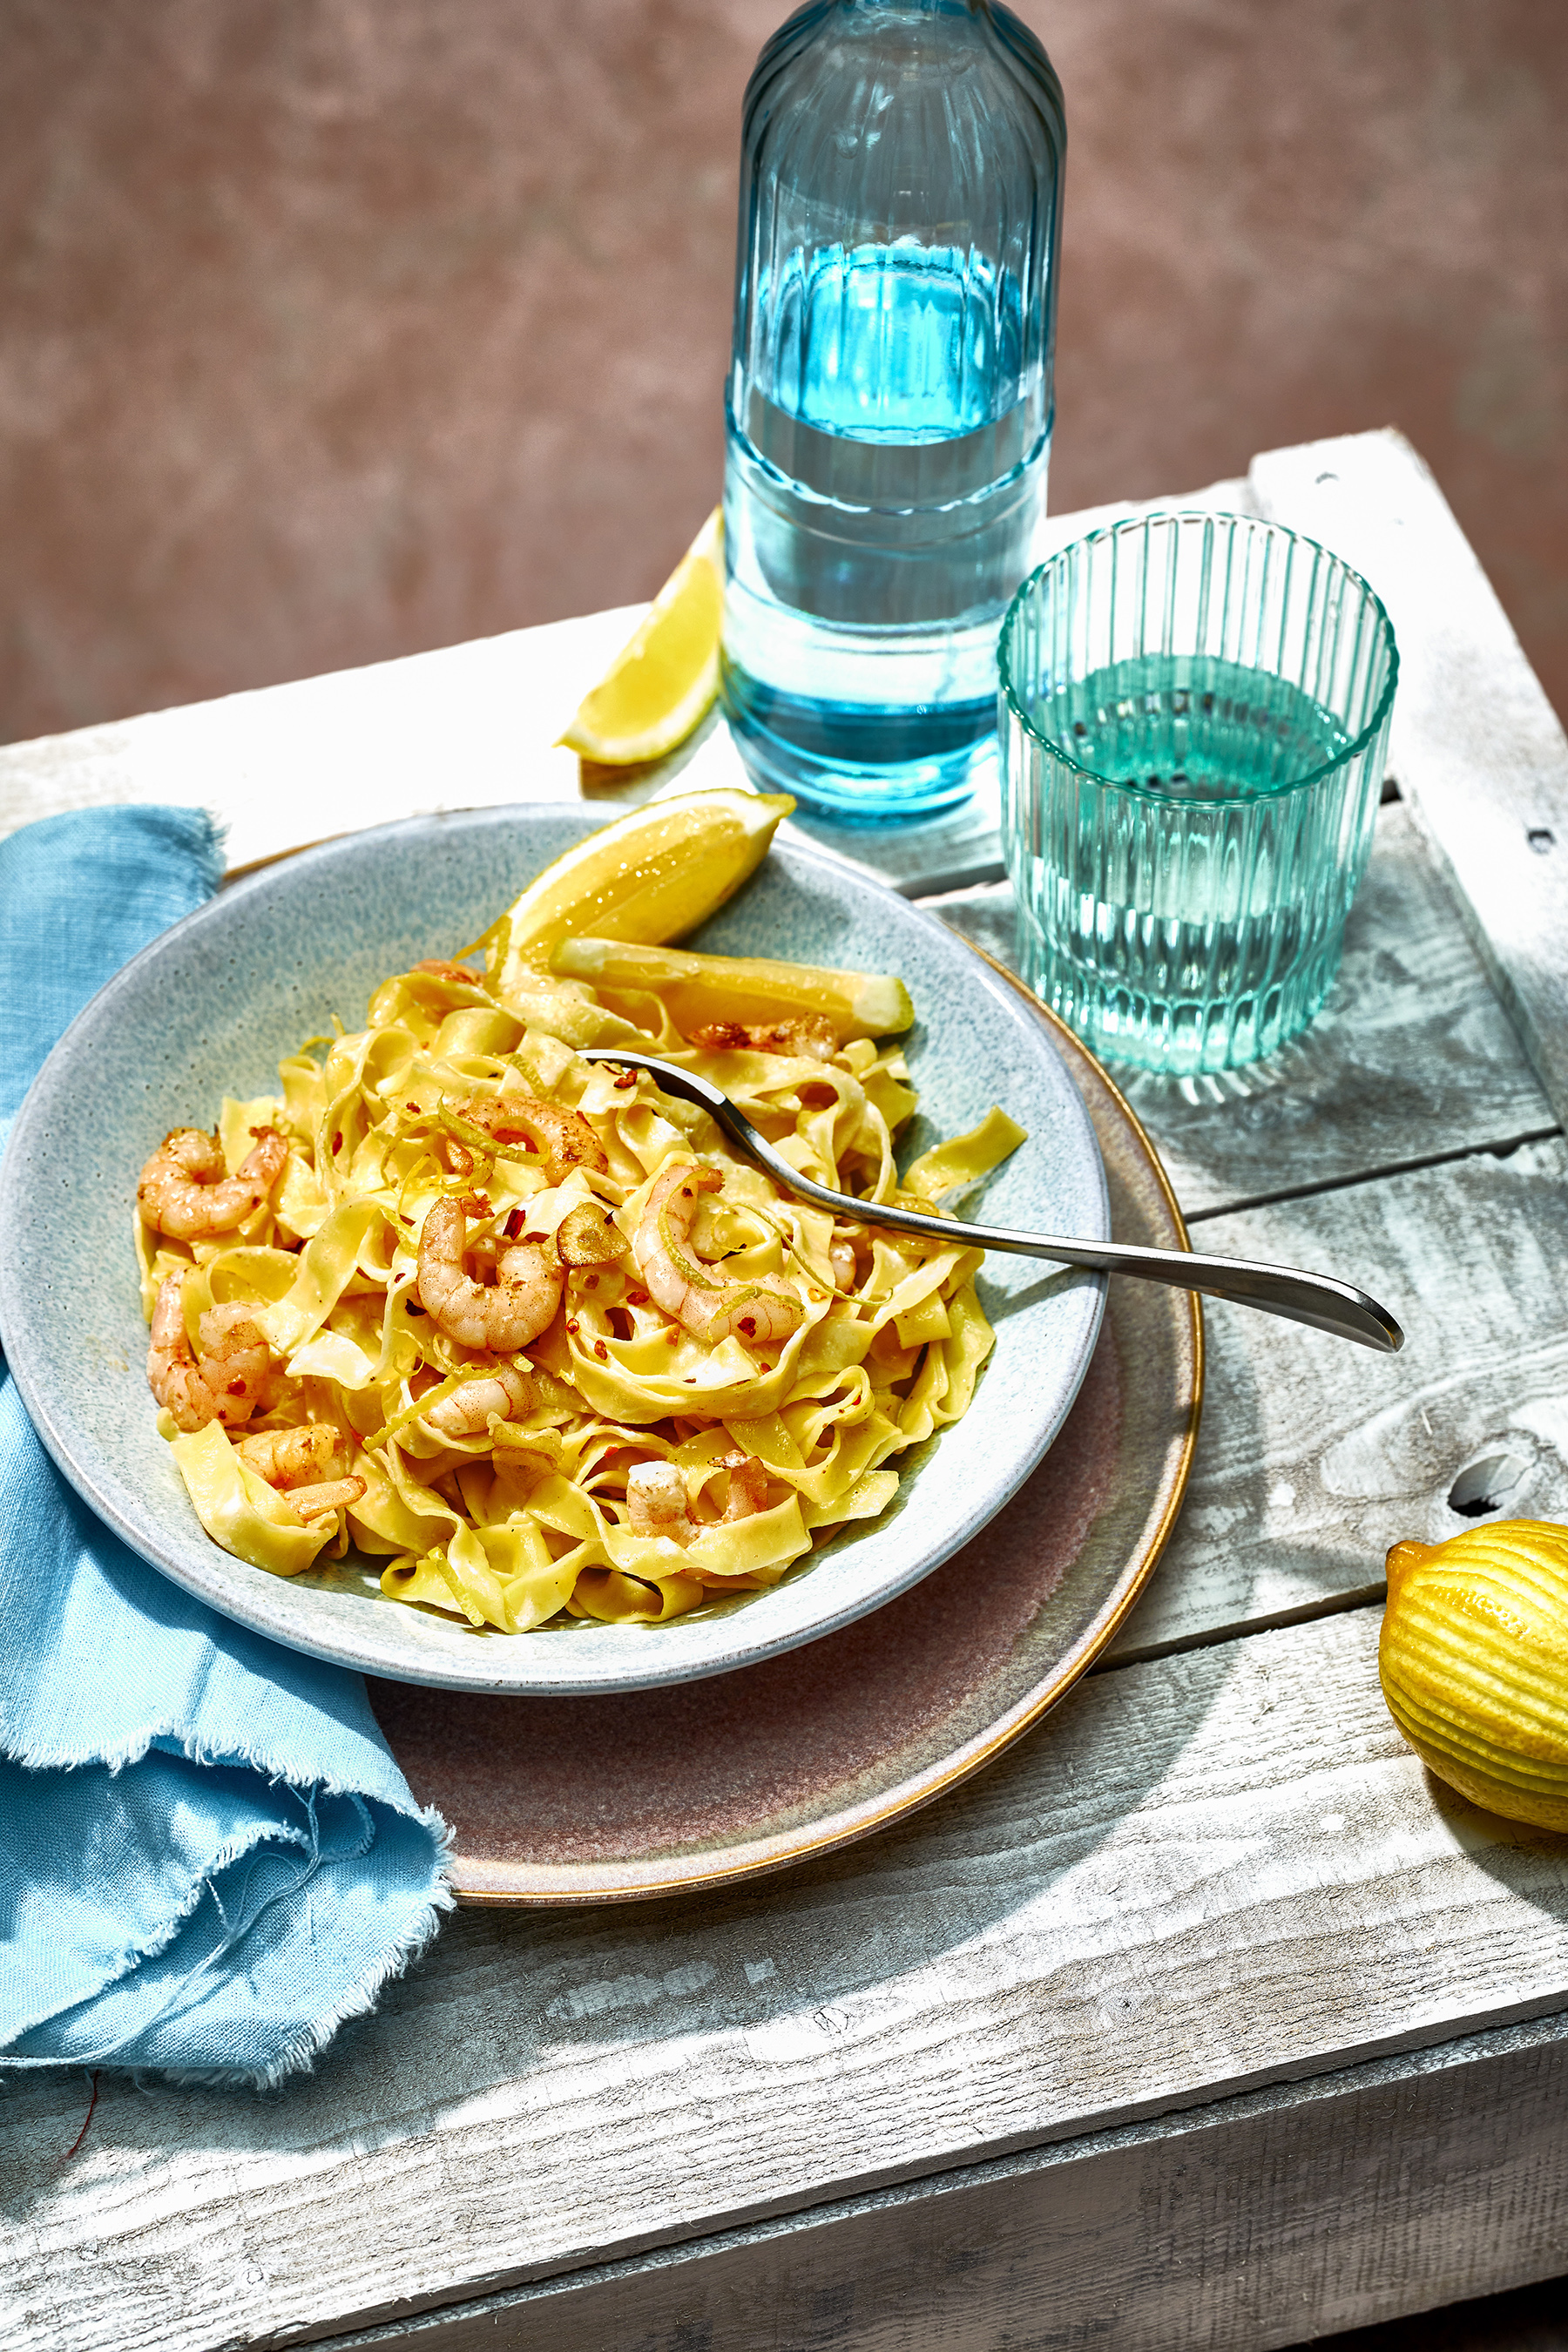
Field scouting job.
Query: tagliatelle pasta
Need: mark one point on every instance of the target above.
(528, 1330)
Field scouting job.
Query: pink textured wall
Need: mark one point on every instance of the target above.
(335, 329)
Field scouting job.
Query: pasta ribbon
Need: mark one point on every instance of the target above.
(241, 1511)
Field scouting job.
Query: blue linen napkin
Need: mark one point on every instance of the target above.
(208, 1858)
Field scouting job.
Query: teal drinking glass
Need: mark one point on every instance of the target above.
(1194, 718)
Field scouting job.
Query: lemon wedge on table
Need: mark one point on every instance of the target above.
(660, 685)
(649, 875)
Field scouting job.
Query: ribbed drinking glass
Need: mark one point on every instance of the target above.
(1195, 717)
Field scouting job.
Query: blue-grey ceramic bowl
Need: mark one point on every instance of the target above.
(209, 1008)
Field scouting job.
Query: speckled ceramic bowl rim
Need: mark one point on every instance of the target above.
(663, 1654)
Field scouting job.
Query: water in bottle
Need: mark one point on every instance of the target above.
(891, 402)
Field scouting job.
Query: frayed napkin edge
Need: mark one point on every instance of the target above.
(140, 1743)
(299, 2055)
(299, 2052)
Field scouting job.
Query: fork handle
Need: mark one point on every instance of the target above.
(1318, 1299)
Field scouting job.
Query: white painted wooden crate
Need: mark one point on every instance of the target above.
(1203, 2018)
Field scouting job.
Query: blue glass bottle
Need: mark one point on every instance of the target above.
(890, 398)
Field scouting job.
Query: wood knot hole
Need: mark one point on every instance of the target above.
(1485, 1485)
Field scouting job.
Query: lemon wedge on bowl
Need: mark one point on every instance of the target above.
(1474, 1664)
(699, 989)
(649, 875)
(660, 685)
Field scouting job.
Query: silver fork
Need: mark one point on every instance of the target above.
(1316, 1299)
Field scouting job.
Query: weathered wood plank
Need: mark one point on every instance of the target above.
(471, 726)
(1412, 1055)
(1477, 749)
(1413, 1059)
(1289, 2212)
(1315, 1457)
(1208, 1872)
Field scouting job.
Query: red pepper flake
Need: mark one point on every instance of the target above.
(529, 1144)
(764, 1367)
(636, 1298)
(573, 1325)
(601, 1352)
(415, 1109)
(626, 1078)
(749, 1326)
(237, 1388)
(337, 1145)
(590, 1282)
(514, 1224)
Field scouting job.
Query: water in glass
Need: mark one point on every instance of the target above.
(1196, 711)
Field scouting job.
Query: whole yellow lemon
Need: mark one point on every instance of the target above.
(1474, 1664)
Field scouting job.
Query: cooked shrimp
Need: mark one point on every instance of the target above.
(184, 1192)
(523, 1302)
(808, 1036)
(337, 1495)
(505, 1389)
(656, 1499)
(563, 1138)
(755, 1313)
(841, 1258)
(462, 972)
(224, 1381)
(748, 1486)
(291, 1458)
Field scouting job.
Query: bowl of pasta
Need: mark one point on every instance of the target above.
(395, 1329)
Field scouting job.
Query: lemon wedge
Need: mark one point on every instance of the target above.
(1474, 1664)
(660, 685)
(704, 988)
(650, 876)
